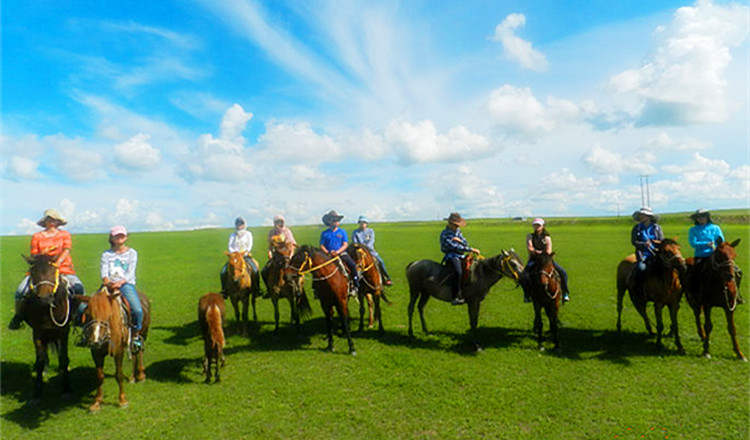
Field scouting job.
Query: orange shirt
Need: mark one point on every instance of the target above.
(54, 245)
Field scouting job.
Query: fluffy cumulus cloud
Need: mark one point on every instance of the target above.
(516, 48)
(23, 168)
(682, 81)
(470, 193)
(421, 142)
(137, 154)
(297, 143)
(606, 162)
(517, 111)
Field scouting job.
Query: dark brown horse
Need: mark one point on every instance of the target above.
(429, 278)
(331, 285)
(242, 285)
(211, 314)
(661, 285)
(714, 284)
(280, 285)
(48, 310)
(545, 291)
(370, 286)
(106, 331)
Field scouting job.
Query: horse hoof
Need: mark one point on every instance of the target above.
(542, 349)
(742, 358)
(95, 407)
(706, 356)
(353, 352)
(124, 404)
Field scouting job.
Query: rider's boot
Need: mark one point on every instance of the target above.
(136, 342)
(17, 321)
(458, 299)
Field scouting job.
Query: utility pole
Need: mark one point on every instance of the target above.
(645, 194)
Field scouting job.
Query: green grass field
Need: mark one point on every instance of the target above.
(602, 386)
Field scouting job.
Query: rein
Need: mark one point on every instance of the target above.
(55, 287)
(308, 261)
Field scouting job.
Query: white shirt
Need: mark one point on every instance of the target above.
(241, 241)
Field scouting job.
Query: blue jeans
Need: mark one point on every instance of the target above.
(136, 310)
(382, 265)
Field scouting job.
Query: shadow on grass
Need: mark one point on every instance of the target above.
(176, 370)
(18, 383)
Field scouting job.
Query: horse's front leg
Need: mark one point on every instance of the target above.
(344, 315)
(538, 326)
(641, 308)
(698, 324)
(473, 307)
(275, 300)
(362, 312)
(708, 326)
(245, 307)
(552, 311)
(733, 334)
(674, 328)
(120, 377)
(370, 311)
(378, 314)
(64, 361)
(139, 372)
(328, 311)
(41, 362)
(99, 364)
(659, 324)
(253, 298)
(420, 307)
(410, 309)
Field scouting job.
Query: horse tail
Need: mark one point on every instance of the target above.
(385, 298)
(303, 303)
(213, 319)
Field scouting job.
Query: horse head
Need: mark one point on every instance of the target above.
(722, 261)
(103, 323)
(44, 277)
(670, 256)
(238, 269)
(509, 264)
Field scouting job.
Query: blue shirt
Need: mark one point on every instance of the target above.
(453, 248)
(333, 240)
(702, 236)
(366, 238)
(643, 237)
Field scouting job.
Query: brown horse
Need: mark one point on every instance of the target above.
(48, 310)
(280, 285)
(242, 285)
(211, 313)
(429, 278)
(543, 287)
(714, 284)
(106, 331)
(370, 286)
(331, 285)
(661, 285)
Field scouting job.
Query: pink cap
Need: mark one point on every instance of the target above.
(118, 230)
(538, 221)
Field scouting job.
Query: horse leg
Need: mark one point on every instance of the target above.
(641, 307)
(207, 354)
(139, 373)
(120, 376)
(217, 355)
(275, 300)
(698, 324)
(343, 312)
(328, 311)
(733, 333)
(674, 328)
(378, 314)
(370, 311)
(99, 363)
(64, 361)
(620, 296)
(420, 307)
(410, 309)
(253, 297)
(41, 362)
(245, 308)
(362, 311)
(708, 326)
(538, 326)
(659, 324)
(473, 321)
(552, 311)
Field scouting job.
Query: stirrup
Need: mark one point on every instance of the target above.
(136, 344)
(457, 301)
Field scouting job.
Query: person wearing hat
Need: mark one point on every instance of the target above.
(334, 241)
(454, 245)
(365, 236)
(55, 242)
(704, 236)
(538, 242)
(646, 236)
(241, 240)
(117, 270)
(281, 245)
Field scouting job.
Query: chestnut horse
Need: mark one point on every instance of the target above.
(106, 331)
(661, 285)
(279, 285)
(544, 289)
(714, 286)
(429, 278)
(211, 314)
(331, 284)
(370, 286)
(242, 284)
(48, 310)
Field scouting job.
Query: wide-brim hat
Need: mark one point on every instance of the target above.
(647, 212)
(331, 216)
(456, 219)
(363, 219)
(700, 213)
(54, 215)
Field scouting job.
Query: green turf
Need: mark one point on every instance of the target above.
(602, 386)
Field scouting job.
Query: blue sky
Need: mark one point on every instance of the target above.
(177, 115)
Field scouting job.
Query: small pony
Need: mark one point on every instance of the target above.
(211, 314)
(106, 331)
(544, 288)
(242, 286)
(370, 287)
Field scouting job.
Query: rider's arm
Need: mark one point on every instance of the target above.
(549, 245)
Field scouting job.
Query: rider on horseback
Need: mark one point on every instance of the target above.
(281, 246)
(50, 241)
(704, 237)
(539, 242)
(646, 236)
(454, 245)
(241, 240)
(117, 270)
(366, 237)
(334, 241)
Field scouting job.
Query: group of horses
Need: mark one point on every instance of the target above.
(50, 309)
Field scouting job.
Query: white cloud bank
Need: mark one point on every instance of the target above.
(516, 48)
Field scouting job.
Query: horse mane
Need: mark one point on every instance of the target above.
(669, 241)
(105, 309)
(40, 259)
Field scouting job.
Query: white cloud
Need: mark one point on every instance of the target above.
(665, 142)
(126, 211)
(137, 154)
(23, 168)
(421, 142)
(682, 80)
(298, 142)
(518, 111)
(516, 48)
(603, 161)
(233, 124)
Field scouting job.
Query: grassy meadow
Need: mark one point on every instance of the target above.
(603, 385)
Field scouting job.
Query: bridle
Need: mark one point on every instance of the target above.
(55, 287)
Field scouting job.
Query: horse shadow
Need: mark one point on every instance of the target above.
(177, 370)
(18, 384)
(181, 334)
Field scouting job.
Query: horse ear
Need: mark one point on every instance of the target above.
(227, 253)
(735, 242)
(503, 252)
